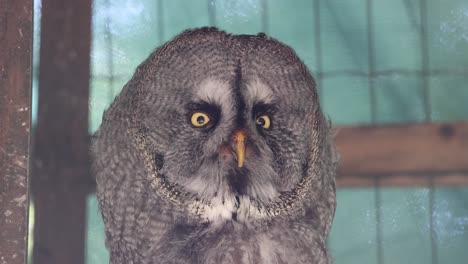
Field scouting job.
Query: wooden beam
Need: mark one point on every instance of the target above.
(15, 121)
(61, 162)
(404, 180)
(403, 155)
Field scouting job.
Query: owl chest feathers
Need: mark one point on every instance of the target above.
(222, 211)
(231, 208)
(233, 242)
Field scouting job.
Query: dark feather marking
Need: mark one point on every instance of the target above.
(239, 99)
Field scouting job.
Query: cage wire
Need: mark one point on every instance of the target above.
(319, 75)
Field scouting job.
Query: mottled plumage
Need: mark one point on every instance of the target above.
(173, 192)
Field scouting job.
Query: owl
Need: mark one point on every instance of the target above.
(217, 151)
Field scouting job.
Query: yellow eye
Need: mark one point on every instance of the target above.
(199, 119)
(263, 121)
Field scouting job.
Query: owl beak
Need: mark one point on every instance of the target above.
(239, 147)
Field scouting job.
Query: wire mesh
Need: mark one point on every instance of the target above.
(110, 60)
(425, 72)
(373, 104)
(318, 47)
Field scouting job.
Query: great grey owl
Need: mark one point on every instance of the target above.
(217, 151)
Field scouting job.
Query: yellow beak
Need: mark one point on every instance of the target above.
(239, 147)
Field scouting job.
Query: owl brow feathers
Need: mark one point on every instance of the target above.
(288, 203)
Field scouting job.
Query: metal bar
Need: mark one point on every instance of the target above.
(409, 8)
(378, 219)
(371, 55)
(425, 60)
(265, 16)
(432, 222)
(318, 47)
(110, 58)
(61, 177)
(212, 12)
(344, 32)
(373, 109)
(16, 24)
(427, 110)
(160, 12)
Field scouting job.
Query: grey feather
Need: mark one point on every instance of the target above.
(167, 191)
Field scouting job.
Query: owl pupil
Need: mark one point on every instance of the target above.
(200, 120)
(261, 121)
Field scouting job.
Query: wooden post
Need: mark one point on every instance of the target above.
(60, 176)
(15, 119)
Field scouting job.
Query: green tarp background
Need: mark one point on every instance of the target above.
(343, 45)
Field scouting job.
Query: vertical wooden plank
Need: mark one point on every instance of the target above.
(60, 176)
(15, 120)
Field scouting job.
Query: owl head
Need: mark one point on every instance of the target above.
(230, 120)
